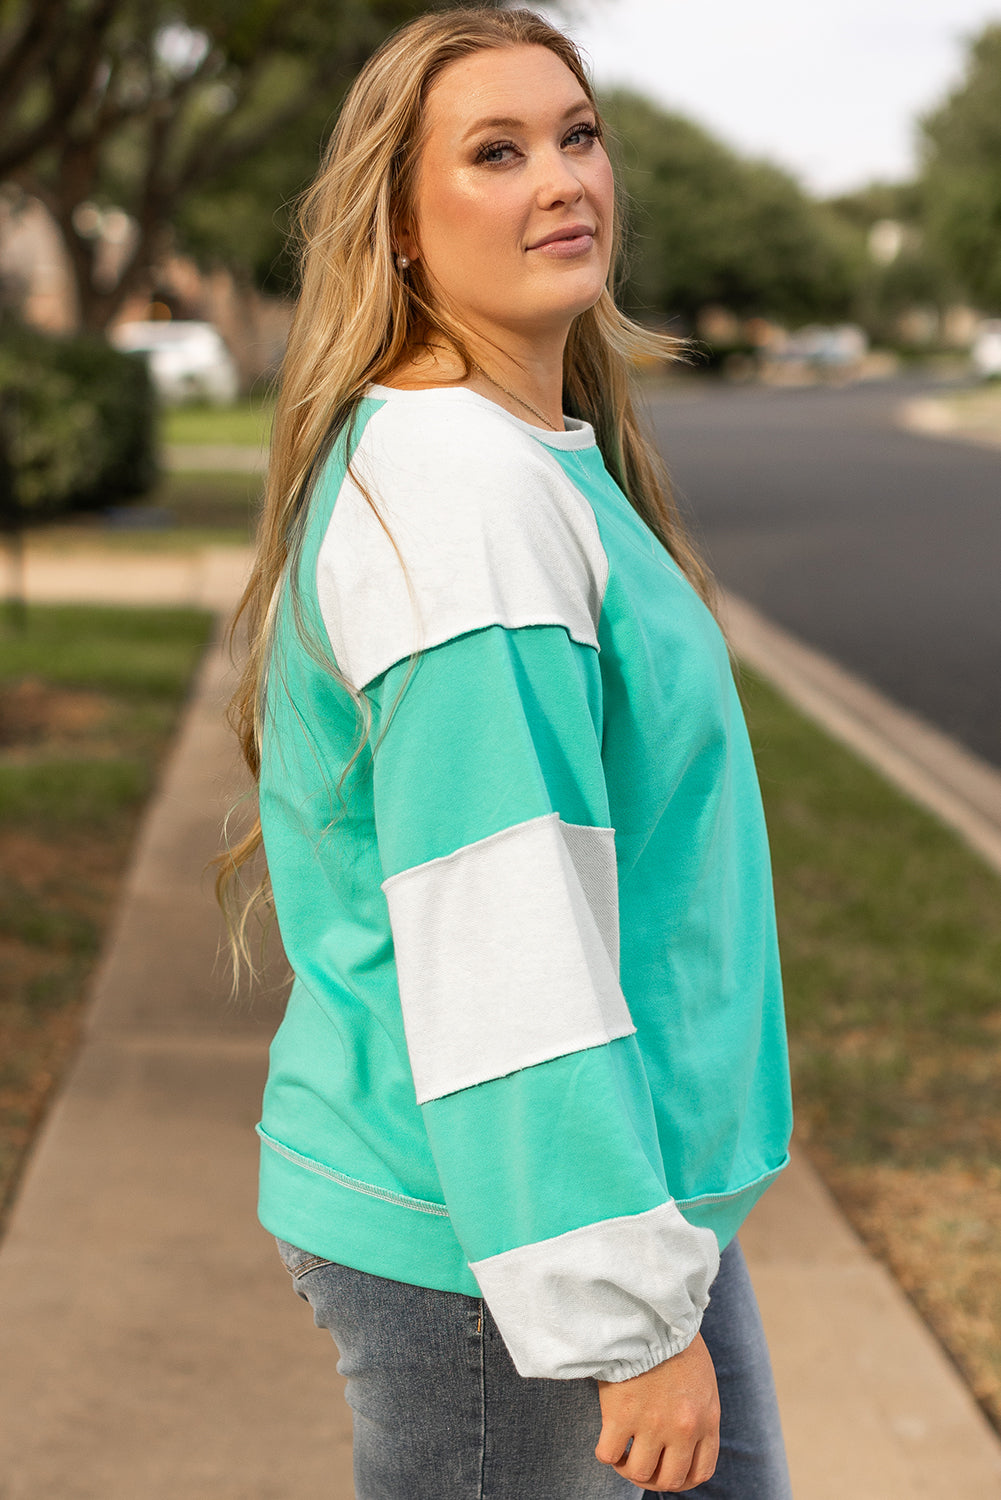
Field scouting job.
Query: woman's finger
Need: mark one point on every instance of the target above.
(642, 1462)
(672, 1474)
(703, 1464)
(613, 1444)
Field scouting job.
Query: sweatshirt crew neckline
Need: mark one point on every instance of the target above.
(579, 434)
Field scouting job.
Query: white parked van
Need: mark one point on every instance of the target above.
(188, 360)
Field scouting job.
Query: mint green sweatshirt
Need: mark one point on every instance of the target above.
(534, 1049)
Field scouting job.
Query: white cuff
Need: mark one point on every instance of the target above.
(609, 1300)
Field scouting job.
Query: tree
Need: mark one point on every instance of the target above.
(143, 103)
(241, 218)
(50, 51)
(899, 269)
(708, 226)
(961, 177)
(900, 201)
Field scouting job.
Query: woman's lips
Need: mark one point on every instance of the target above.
(566, 249)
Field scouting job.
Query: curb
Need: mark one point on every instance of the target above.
(930, 418)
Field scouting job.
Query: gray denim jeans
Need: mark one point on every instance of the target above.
(440, 1413)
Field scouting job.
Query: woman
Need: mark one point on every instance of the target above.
(532, 1073)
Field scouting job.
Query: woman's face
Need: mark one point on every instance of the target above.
(514, 195)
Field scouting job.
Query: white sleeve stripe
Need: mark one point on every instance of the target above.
(507, 953)
(490, 529)
(592, 851)
(609, 1300)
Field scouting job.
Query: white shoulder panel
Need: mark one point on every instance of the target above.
(489, 527)
(507, 953)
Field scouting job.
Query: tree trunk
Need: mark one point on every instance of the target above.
(11, 519)
(97, 306)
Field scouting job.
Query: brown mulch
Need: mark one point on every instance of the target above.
(938, 1229)
(33, 711)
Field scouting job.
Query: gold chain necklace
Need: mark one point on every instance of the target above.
(546, 422)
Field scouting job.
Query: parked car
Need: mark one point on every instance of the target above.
(188, 360)
(818, 352)
(831, 348)
(986, 350)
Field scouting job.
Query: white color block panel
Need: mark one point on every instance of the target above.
(609, 1300)
(490, 529)
(507, 953)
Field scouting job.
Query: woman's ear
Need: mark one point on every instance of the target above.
(405, 246)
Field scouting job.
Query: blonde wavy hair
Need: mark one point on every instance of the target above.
(358, 319)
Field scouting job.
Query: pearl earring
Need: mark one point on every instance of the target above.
(403, 261)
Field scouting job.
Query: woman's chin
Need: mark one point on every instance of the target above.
(572, 294)
(547, 314)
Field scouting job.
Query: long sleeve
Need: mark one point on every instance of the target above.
(501, 884)
(499, 867)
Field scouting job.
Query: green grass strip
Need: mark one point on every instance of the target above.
(246, 422)
(77, 792)
(891, 944)
(119, 650)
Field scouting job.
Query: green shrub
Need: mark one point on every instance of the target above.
(77, 422)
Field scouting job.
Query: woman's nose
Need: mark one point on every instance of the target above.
(558, 182)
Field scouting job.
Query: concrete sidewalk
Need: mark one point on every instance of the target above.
(207, 577)
(151, 1347)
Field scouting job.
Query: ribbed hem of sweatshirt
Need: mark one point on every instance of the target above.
(724, 1213)
(405, 1239)
(354, 1228)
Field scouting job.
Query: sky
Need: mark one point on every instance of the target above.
(827, 88)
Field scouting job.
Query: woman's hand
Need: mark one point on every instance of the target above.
(670, 1415)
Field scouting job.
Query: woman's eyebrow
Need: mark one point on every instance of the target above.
(508, 122)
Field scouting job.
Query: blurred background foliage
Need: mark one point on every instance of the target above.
(960, 183)
(708, 226)
(198, 124)
(206, 114)
(77, 423)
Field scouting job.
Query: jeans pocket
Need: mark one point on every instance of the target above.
(298, 1262)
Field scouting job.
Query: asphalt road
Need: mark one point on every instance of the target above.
(878, 546)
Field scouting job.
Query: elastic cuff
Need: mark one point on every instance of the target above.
(621, 1369)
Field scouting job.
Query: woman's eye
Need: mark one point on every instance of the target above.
(581, 134)
(494, 152)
